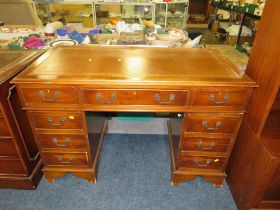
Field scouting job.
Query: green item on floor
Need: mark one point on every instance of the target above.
(239, 48)
(134, 116)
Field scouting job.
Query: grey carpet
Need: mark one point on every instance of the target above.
(154, 126)
(134, 173)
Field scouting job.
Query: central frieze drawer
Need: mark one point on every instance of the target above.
(57, 120)
(219, 98)
(202, 144)
(61, 141)
(49, 95)
(65, 159)
(213, 123)
(202, 162)
(133, 97)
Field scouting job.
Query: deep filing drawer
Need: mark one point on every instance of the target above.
(227, 124)
(4, 131)
(219, 98)
(202, 144)
(65, 159)
(57, 120)
(133, 97)
(202, 162)
(7, 147)
(49, 95)
(61, 141)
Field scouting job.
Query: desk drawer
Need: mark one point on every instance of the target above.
(49, 95)
(61, 141)
(202, 162)
(4, 129)
(65, 159)
(213, 123)
(7, 147)
(57, 120)
(133, 97)
(202, 144)
(219, 98)
(11, 166)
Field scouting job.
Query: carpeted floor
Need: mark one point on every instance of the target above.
(134, 173)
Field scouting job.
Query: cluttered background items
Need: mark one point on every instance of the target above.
(235, 22)
(117, 33)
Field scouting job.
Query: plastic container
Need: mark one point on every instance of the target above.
(76, 36)
(49, 31)
(227, 5)
(159, 30)
(250, 8)
(215, 3)
(105, 31)
(14, 46)
(94, 31)
(240, 9)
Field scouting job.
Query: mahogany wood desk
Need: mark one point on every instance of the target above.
(65, 83)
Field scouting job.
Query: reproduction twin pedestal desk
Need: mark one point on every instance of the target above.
(66, 83)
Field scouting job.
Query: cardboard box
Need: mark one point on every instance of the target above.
(102, 38)
(231, 40)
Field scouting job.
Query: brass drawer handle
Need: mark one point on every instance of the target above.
(171, 98)
(99, 97)
(217, 126)
(60, 159)
(200, 145)
(212, 97)
(67, 142)
(197, 163)
(62, 121)
(51, 99)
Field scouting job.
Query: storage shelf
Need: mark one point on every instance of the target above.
(234, 8)
(149, 11)
(246, 15)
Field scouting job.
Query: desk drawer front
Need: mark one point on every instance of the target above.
(219, 98)
(11, 167)
(49, 95)
(7, 148)
(133, 97)
(57, 120)
(212, 124)
(200, 144)
(4, 131)
(202, 162)
(61, 141)
(65, 159)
